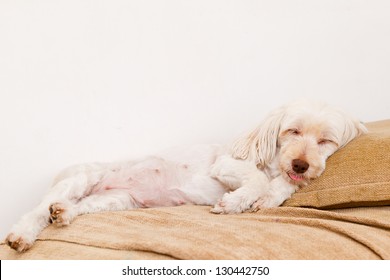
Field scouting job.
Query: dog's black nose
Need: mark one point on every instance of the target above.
(299, 166)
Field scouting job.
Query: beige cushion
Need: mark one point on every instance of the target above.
(357, 175)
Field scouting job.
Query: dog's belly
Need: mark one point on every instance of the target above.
(156, 182)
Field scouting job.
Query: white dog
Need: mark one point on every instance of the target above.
(262, 169)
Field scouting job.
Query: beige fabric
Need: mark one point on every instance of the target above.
(191, 232)
(64, 250)
(357, 175)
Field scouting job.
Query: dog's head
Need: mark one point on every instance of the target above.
(297, 139)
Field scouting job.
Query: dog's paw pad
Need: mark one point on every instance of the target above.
(58, 214)
(17, 243)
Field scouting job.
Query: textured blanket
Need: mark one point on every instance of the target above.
(191, 232)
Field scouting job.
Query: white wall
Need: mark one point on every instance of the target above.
(107, 80)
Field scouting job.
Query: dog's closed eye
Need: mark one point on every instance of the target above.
(324, 141)
(293, 131)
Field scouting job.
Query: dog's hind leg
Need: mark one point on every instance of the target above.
(67, 191)
(109, 200)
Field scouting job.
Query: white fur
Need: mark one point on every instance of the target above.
(256, 172)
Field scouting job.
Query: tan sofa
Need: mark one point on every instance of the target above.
(345, 214)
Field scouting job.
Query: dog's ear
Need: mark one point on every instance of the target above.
(352, 129)
(260, 145)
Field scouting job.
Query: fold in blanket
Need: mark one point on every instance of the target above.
(191, 232)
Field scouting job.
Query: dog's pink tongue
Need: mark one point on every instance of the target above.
(295, 177)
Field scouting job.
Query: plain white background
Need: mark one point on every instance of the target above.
(107, 80)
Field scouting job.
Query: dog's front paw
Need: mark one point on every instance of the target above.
(232, 203)
(18, 242)
(60, 214)
(218, 208)
(264, 202)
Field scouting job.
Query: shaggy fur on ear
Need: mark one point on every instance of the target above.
(352, 130)
(260, 145)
